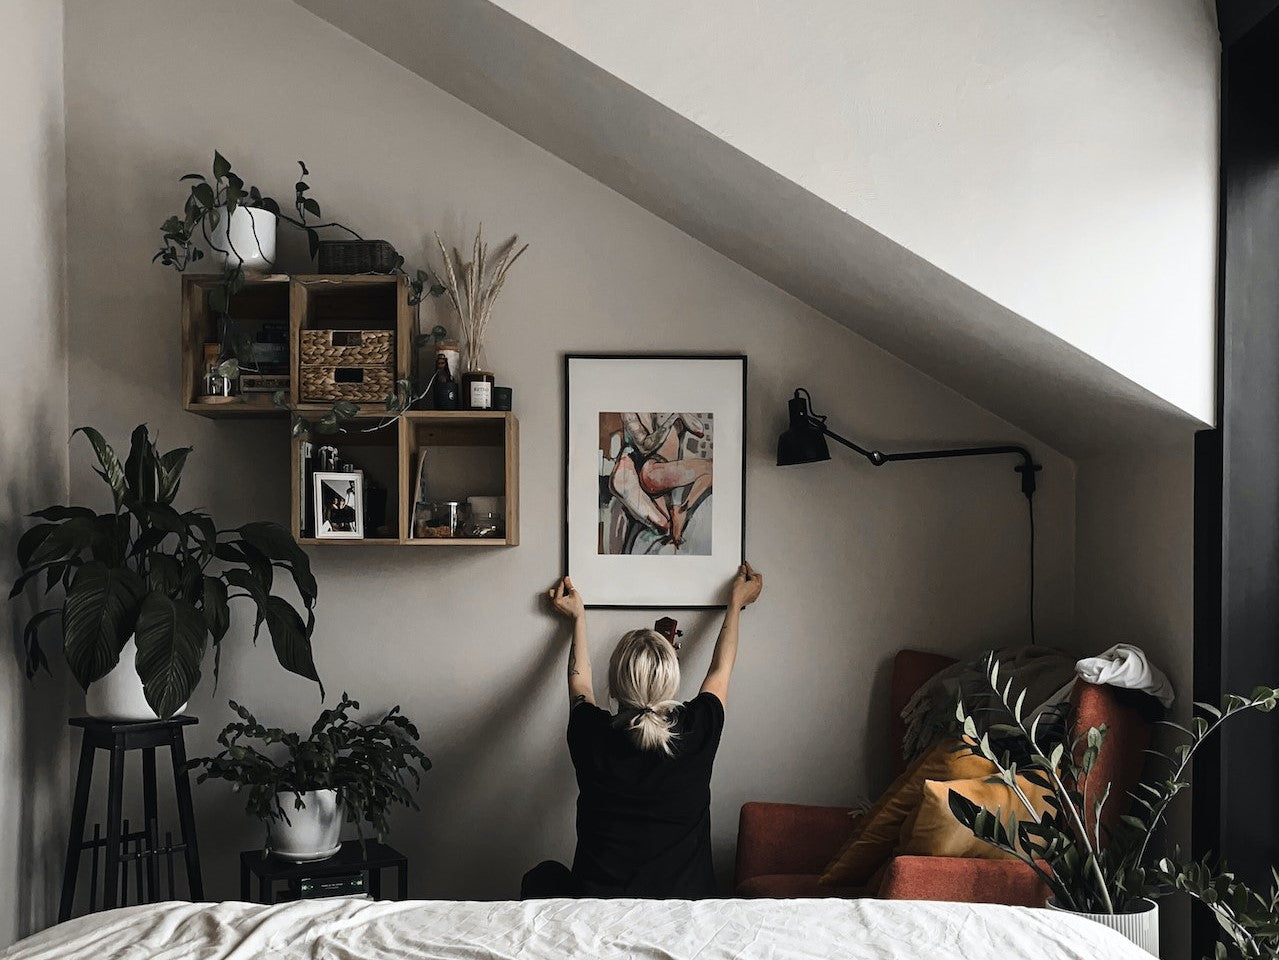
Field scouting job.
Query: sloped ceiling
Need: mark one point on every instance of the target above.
(764, 221)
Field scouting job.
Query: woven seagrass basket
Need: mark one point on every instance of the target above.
(358, 384)
(352, 348)
(356, 256)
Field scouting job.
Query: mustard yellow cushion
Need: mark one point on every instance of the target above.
(877, 834)
(933, 831)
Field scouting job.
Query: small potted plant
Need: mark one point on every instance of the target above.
(1110, 876)
(303, 787)
(141, 605)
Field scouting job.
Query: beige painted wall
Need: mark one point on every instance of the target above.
(33, 460)
(860, 561)
(1134, 582)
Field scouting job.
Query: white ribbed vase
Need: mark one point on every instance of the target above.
(1141, 926)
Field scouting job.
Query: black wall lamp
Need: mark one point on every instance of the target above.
(804, 441)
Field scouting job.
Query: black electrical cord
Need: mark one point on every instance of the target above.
(1030, 509)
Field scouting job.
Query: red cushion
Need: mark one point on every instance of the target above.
(963, 881)
(788, 838)
(792, 886)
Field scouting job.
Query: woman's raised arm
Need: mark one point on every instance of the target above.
(744, 591)
(568, 602)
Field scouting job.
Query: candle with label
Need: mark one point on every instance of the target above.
(477, 389)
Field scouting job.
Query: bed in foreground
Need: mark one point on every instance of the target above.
(353, 929)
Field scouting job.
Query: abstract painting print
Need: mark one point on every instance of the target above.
(654, 478)
(656, 481)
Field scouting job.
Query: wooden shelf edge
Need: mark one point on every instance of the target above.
(233, 411)
(443, 415)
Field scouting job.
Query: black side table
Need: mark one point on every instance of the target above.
(121, 847)
(370, 861)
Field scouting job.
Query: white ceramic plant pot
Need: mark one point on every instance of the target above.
(252, 242)
(1140, 926)
(119, 695)
(311, 833)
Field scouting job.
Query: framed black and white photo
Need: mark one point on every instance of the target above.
(654, 478)
(339, 505)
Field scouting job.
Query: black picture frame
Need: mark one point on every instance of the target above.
(568, 358)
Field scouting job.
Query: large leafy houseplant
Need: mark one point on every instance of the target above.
(369, 765)
(1088, 867)
(144, 569)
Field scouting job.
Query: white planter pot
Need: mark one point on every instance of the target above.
(119, 695)
(1141, 927)
(252, 238)
(312, 833)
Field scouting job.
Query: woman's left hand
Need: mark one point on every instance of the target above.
(566, 600)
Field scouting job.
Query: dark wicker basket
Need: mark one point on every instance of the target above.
(356, 256)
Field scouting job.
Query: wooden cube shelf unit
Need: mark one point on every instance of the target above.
(484, 446)
(478, 451)
(304, 302)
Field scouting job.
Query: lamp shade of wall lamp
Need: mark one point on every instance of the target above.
(801, 442)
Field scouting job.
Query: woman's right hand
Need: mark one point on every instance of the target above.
(566, 600)
(746, 587)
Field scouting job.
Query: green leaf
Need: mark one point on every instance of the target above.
(164, 573)
(66, 540)
(277, 544)
(30, 540)
(313, 242)
(112, 471)
(220, 165)
(97, 617)
(290, 638)
(170, 473)
(172, 635)
(140, 466)
(203, 193)
(58, 514)
(35, 659)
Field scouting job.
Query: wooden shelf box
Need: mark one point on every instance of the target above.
(469, 453)
(264, 299)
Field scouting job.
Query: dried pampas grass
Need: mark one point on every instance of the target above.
(474, 285)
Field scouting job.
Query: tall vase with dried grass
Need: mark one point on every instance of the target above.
(472, 287)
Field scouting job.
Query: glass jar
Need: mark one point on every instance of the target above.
(443, 518)
(477, 384)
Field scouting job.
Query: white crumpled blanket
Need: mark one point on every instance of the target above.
(1124, 665)
(357, 929)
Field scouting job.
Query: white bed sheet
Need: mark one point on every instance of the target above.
(356, 929)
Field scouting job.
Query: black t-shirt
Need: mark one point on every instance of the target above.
(643, 817)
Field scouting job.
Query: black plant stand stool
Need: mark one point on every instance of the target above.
(121, 848)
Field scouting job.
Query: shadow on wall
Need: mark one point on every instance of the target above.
(471, 756)
(38, 711)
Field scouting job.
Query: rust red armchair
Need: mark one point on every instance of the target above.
(783, 848)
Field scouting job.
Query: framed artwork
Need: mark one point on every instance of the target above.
(339, 505)
(654, 478)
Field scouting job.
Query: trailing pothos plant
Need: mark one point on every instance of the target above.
(369, 765)
(211, 198)
(1089, 867)
(143, 569)
(401, 399)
